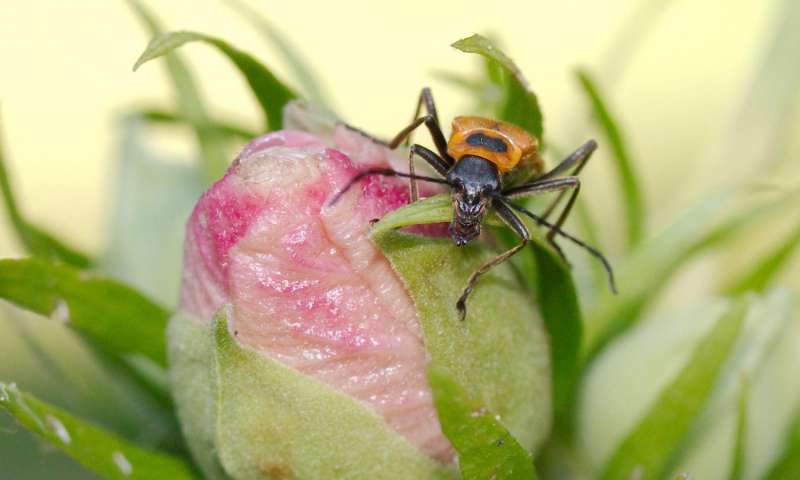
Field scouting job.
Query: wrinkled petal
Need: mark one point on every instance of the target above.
(305, 284)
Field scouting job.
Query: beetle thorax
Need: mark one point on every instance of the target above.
(474, 180)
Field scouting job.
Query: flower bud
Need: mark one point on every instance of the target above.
(315, 366)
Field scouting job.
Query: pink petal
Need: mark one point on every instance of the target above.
(306, 285)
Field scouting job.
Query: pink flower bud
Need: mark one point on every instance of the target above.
(304, 285)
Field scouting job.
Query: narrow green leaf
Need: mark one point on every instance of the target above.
(270, 92)
(154, 194)
(740, 443)
(787, 467)
(558, 303)
(632, 197)
(302, 72)
(96, 449)
(519, 105)
(651, 446)
(648, 270)
(228, 129)
(485, 448)
(110, 315)
(766, 268)
(190, 103)
(36, 241)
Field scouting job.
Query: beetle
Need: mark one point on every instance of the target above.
(488, 163)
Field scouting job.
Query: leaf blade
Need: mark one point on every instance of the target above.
(485, 448)
(520, 105)
(650, 446)
(270, 93)
(190, 103)
(629, 181)
(168, 117)
(787, 467)
(94, 448)
(302, 71)
(647, 271)
(766, 268)
(100, 309)
(558, 303)
(740, 443)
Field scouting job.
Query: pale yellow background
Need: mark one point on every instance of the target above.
(66, 79)
(65, 76)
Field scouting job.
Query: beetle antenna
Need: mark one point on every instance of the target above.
(595, 252)
(386, 172)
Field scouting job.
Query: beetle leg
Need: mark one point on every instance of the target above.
(426, 98)
(577, 159)
(561, 185)
(433, 160)
(513, 221)
(593, 251)
(542, 186)
(430, 119)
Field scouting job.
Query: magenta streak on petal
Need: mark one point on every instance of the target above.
(306, 285)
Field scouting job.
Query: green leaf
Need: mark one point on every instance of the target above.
(228, 129)
(766, 268)
(270, 92)
(271, 419)
(94, 448)
(740, 444)
(787, 467)
(632, 197)
(519, 105)
(650, 267)
(302, 72)
(558, 303)
(154, 194)
(190, 104)
(651, 446)
(485, 448)
(110, 315)
(36, 241)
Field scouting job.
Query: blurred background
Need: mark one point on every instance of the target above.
(705, 91)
